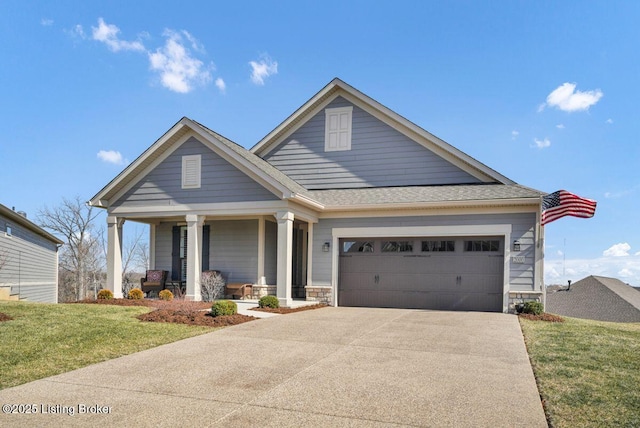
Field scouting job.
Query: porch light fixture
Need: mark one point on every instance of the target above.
(325, 247)
(516, 245)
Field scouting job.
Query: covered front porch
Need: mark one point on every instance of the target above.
(271, 251)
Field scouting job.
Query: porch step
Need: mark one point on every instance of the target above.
(5, 294)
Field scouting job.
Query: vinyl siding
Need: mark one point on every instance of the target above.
(379, 156)
(233, 248)
(523, 226)
(31, 268)
(220, 182)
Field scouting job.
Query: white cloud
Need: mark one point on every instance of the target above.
(111, 156)
(514, 134)
(617, 250)
(179, 70)
(108, 34)
(609, 121)
(221, 85)
(541, 144)
(559, 271)
(262, 69)
(566, 98)
(46, 22)
(560, 126)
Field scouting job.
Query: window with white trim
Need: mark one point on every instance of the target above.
(191, 171)
(337, 129)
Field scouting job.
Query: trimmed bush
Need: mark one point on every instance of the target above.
(535, 308)
(223, 307)
(269, 302)
(135, 294)
(165, 295)
(105, 294)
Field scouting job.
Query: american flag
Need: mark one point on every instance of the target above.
(561, 203)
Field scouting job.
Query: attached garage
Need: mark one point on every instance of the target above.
(442, 272)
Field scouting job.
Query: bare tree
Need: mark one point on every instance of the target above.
(131, 260)
(81, 258)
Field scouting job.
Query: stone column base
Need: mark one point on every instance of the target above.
(258, 291)
(320, 294)
(520, 297)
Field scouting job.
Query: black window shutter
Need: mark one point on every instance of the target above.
(205, 247)
(175, 254)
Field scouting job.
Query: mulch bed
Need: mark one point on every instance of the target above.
(191, 313)
(5, 317)
(290, 310)
(543, 317)
(192, 317)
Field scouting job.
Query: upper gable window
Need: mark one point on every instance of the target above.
(337, 130)
(191, 172)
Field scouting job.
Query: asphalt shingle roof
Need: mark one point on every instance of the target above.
(425, 194)
(596, 298)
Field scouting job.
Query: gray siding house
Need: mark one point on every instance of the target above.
(28, 259)
(345, 202)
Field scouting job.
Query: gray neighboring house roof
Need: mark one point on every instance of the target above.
(23, 221)
(597, 298)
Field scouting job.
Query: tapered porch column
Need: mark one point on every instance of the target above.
(114, 255)
(285, 255)
(194, 249)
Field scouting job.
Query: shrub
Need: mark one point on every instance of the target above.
(105, 294)
(165, 295)
(269, 302)
(212, 285)
(224, 307)
(535, 308)
(135, 294)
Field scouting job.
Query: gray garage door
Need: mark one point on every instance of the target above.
(426, 273)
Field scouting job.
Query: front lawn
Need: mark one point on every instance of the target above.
(46, 339)
(588, 372)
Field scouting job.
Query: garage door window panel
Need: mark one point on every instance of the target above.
(357, 247)
(397, 246)
(438, 246)
(482, 245)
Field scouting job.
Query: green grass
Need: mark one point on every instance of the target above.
(588, 372)
(45, 339)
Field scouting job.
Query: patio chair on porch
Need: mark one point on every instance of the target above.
(154, 280)
(238, 290)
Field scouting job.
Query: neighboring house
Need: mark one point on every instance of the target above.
(596, 298)
(28, 259)
(345, 202)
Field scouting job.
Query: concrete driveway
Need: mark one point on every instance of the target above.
(329, 367)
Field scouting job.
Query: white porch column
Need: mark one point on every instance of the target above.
(114, 255)
(194, 251)
(285, 254)
(151, 265)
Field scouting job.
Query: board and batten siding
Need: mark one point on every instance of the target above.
(521, 275)
(233, 248)
(220, 182)
(31, 263)
(379, 156)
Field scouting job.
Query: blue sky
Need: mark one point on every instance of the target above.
(543, 92)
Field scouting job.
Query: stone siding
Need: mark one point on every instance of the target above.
(319, 294)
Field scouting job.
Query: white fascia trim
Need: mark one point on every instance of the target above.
(303, 200)
(497, 206)
(134, 180)
(240, 208)
(414, 231)
(239, 162)
(302, 110)
(425, 138)
(99, 198)
(426, 212)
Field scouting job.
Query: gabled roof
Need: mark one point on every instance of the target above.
(337, 88)
(597, 298)
(27, 224)
(262, 171)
